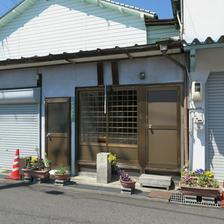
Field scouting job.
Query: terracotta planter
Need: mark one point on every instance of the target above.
(128, 184)
(41, 174)
(62, 177)
(27, 173)
(201, 191)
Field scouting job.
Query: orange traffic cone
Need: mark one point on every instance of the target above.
(15, 168)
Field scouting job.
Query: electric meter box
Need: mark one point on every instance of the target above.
(196, 91)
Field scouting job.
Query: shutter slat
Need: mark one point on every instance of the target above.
(215, 113)
(19, 128)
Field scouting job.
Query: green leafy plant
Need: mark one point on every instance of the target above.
(215, 184)
(27, 161)
(34, 163)
(47, 162)
(61, 171)
(203, 181)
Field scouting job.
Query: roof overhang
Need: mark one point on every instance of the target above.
(111, 54)
(160, 22)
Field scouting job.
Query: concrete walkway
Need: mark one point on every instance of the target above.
(90, 180)
(87, 182)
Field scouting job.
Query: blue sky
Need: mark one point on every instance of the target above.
(161, 7)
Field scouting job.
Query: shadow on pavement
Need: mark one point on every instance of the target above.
(54, 192)
(5, 185)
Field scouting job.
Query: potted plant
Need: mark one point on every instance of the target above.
(126, 181)
(62, 174)
(199, 183)
(35, 168)
(40, 171)
(27, 169)
(113, 161)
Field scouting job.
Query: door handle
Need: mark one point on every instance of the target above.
(150, 128)
(49, 136)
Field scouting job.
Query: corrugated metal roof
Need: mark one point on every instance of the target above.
(130, 7)
(207, 41)
(128, 51)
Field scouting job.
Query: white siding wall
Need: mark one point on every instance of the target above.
(203, 18)
(58, 26)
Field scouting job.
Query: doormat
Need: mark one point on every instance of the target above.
(165, 195)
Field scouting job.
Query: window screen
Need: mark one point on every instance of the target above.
(117, 126)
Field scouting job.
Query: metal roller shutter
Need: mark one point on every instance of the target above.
(215, 119)
(19, 128)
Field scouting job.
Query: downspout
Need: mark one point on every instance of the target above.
(182, 19)
(39, 85)
(181, 26)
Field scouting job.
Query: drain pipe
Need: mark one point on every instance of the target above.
(186, 85)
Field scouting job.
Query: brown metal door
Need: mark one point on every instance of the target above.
(58, 130)
(163, 129)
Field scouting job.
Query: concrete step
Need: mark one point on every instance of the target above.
(158, 181)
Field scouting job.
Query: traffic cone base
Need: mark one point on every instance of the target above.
(14, 175)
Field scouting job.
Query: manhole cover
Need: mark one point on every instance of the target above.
(54, 192)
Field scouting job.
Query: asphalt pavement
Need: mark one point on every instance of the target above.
(37, 203)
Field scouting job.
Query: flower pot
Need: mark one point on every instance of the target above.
(200, 191)
(128, 184)
(62, 177)
(27, 174)
(41, 174)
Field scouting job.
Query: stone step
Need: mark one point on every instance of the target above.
(159, 181)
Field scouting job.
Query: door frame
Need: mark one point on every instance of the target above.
(92, 164)
(66, 100)
(142, 122)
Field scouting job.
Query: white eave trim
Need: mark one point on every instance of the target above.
(122, 56)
